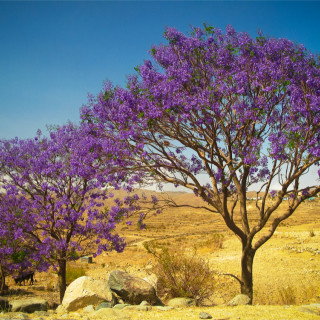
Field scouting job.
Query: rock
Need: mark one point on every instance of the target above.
(85, 291)
(138, 308)
(152, 279)
(29, 305)
(61, 309)
(131, 289)
(110, 314)
(89, 308)
(204, 315)
(144, 303)
(143, 308)
(164, 308)
(239, 300)
(104, 305)
(4, 304)
(116, 299)
(121, 306)
(181, 302)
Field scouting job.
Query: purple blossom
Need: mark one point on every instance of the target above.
(273, 193)
(242, 111)
(54, 188)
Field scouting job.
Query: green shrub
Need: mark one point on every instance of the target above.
(182, 275)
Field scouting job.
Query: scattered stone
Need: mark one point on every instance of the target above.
(239, 300)
(138, 308)
(104, 305)
(143, 308)
(121, 306)
(181, 302)
(89, 308)
(164, 308)
(29, 305)
(4, 304)
(144, 303)
(131, 289)
(85, 291)
(205, 315)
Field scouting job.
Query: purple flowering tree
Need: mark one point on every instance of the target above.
(218, 113)
(63, 182)
(17, 246)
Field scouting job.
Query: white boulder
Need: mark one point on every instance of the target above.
(85, 291)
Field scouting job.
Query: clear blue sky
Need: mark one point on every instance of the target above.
(52, 54)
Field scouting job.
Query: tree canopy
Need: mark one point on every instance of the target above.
(242, 111)
(55, 189)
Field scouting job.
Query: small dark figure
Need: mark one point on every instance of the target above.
(23, 277)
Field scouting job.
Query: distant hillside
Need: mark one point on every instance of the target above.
(180, 197)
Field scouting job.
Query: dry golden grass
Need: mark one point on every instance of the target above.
(286, 268)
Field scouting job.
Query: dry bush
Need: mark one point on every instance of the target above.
(182, 275)
(311, 234)
(215, 241)
(287, 296)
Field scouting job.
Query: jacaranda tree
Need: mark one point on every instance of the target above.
(18, 253)
(63, 182)
(242, 112)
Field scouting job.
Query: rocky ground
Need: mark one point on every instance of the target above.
(310, 312)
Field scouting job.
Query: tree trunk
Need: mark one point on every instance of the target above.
(62, 277)
(2, 281)
(246, 272)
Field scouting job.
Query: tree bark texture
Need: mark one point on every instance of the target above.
(246, 272)
(2, 281)
(62, 277)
